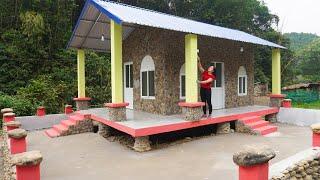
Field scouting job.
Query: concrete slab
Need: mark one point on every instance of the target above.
(89, 156)
(299, 116)
(32, 123)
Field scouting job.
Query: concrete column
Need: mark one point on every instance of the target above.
(116, 62)
(191, 47)
(253, 162)
(27, 165)
(276, 72)
(81, 74)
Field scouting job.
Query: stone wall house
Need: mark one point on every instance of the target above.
(167, 51)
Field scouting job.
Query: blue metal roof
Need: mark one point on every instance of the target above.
(95, 17)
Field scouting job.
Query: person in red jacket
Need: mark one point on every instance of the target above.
(207, 77)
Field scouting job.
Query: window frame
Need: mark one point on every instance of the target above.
(130, 64)
(147, 65)
(242, 74)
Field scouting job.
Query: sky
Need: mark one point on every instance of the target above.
(296, 15)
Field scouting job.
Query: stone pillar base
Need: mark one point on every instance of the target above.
(82, 103)
(104, 130)
(192, 111)
(117, 111)
(315, 135)
(276, 100)
(224, 128)
(142, 144)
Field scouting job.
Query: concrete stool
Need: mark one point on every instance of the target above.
(12, 125)
(253, 162)
(17, 141)
(27, 165)
(68, 109)
(316, 135)
(286, 103)
(7, 117)
(41, 111)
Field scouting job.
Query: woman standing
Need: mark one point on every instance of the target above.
(207, 77)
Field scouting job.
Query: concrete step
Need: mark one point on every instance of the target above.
(266, 129)
(76, 118)
(250, 119)
(68, 123)
(52, 133)
(258, 124)
(60, 128)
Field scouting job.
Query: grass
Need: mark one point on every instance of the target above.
(310, 105)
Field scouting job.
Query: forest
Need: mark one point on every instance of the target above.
(37, 69)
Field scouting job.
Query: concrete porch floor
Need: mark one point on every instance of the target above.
(89, 156)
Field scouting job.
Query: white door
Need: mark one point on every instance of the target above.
(218, 89)
(128, 84)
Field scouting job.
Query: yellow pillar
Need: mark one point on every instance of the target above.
(276, 71)
(81, 74)
(116, 62)
(191, 46)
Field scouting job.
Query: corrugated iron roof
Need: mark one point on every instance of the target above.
(96, 14)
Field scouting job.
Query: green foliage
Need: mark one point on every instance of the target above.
(22, 107)
(302, 95)
(307, 105)
(300, 40)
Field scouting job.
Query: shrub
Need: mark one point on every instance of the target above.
(21, 107)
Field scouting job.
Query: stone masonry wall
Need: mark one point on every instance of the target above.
(167, 50)
(308, 169)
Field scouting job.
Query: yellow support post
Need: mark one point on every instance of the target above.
(276, 72)
(116, 62)
(81, 74)
(191, 46)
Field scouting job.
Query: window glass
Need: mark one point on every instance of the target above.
(151, 83)
(144, 83)
(218, 72)
(183, 85)
(240, 85)
(244, 85)
(127, 75)
(131, 76)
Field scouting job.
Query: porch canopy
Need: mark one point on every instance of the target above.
(94, 22)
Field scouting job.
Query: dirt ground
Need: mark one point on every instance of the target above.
(89, 156)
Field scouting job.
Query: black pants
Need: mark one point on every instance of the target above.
(206, 98)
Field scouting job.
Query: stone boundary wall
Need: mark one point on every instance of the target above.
(304, 165)
(8, 168)
(299, 116)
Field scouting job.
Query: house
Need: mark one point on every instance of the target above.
(154, 67)
(155, 55)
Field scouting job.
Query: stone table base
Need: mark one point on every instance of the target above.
(224, 128)
(276, 100)
(117, 111)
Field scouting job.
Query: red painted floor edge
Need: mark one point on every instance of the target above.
(115, 125)
(180, 126)
(187, 125)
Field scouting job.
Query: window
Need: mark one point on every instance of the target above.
(128, 75)
(147, 78)
(182, 82)
(242, 81)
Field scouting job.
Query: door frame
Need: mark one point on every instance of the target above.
(124, 82)
(222, 83)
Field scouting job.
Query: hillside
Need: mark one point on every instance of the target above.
(300, 40)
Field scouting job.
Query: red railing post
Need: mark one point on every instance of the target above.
(41, 111)
(27, 165)
(315, 135)
(17, 140)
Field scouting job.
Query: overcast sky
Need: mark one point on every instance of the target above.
(297, 15)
